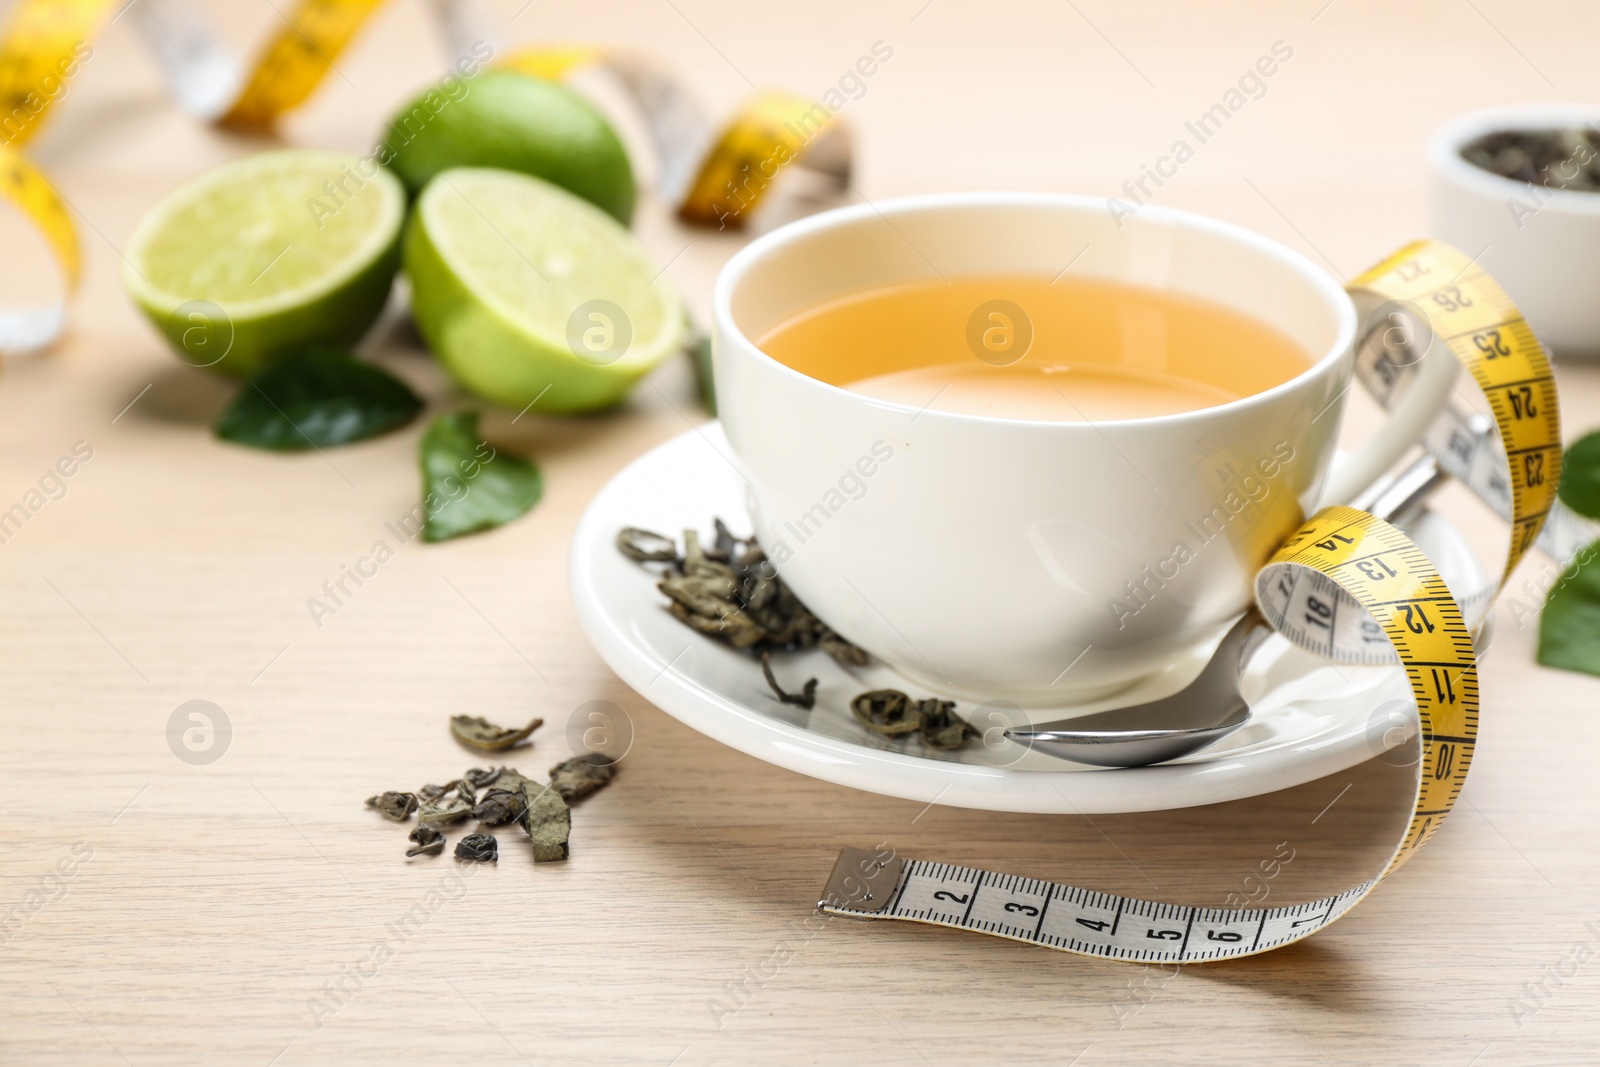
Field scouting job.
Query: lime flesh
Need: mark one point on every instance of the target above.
(532, 296)
(275, 251)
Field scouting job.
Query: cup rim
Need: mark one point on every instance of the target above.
(734, 271)
(1444, 150)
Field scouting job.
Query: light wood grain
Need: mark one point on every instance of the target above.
(219, 900)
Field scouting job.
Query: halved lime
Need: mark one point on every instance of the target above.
(530, 295)
(271, 252)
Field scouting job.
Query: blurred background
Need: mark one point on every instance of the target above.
(1006, 94)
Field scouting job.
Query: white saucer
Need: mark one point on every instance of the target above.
(1310, 718)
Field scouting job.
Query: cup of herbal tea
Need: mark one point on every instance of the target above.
(1519, 188)
(1021, 446)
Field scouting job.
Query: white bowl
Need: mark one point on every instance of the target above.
(1541, 244)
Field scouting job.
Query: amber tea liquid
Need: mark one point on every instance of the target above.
(1094, 349)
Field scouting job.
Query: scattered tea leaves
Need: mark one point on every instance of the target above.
(548, 821)
(731, 591)
(496, 796)
(581, 775)
(467, 485)
(430, 842)
(478, 848)
(806, 698)
(481, 733)
(394, 805)
(316, 398)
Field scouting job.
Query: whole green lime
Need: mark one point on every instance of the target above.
(514, 122)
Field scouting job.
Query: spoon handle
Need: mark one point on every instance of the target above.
(1397, 500)
(1210, 706)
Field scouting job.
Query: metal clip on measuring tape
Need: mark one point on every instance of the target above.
(714, 174)
(1347, 586)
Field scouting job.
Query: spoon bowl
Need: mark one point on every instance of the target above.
(1211, 707)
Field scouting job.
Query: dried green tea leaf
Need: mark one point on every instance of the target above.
(806, 698)
(316, 398)
(432, 794)
(498, 807)
(479, 848)
(394, 805)
(888, 712)
(467, 485)
(891, 713)
(843, 652)
(646, 546)
(581, 775)
(725, 547)
(481, 733)
(512, 780)
(429, 841)
(548, 821)
(444, 814)
(942, 729)
(733, 627)
(478, 777)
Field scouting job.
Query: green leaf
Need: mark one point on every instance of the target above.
(467, 486)
(316, 398)
(700, 356)
(1580, 476)
(1569, 626)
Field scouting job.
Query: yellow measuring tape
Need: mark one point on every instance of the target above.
(715, 176)
(42, 48)
(1348, 586)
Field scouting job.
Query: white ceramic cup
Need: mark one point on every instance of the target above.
(1041, 562)
(1541, 244)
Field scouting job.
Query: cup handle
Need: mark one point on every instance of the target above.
(1407, 422)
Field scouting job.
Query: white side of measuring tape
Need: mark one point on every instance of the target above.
(883, 886)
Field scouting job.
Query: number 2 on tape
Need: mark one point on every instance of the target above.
(1347, 585)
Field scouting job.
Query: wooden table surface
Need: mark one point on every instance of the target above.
(211, 909)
